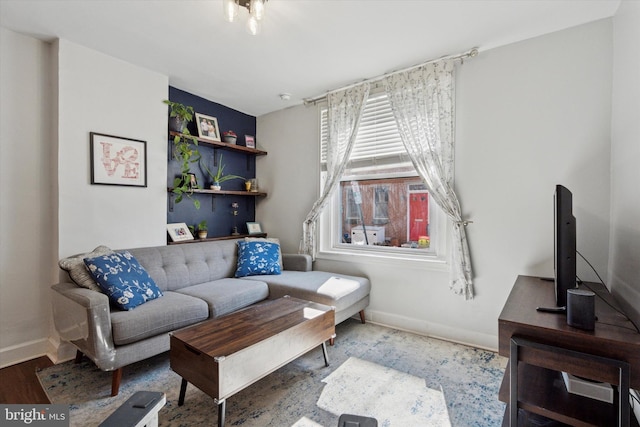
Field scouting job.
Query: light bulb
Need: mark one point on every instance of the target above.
(253, 25)
(230, 10)
(256, 7)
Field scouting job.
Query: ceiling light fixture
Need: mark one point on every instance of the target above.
(255, 8)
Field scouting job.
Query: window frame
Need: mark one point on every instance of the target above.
(329, 243)
(330, 246)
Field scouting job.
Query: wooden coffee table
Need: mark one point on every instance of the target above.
(225, 355)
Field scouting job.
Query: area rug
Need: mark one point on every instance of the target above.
(391, 397)
(370, 365)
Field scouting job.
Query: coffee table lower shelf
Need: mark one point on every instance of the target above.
(224, 356)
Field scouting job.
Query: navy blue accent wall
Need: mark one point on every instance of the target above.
(216, 210)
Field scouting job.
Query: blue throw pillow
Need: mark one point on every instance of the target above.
(123, 279)
(256, 258)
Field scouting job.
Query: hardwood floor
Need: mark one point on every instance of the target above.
(19, 384)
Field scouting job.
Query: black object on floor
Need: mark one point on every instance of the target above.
(348, 420)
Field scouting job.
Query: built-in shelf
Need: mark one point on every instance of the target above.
(211, 239)
(226, 192)
(222, 145)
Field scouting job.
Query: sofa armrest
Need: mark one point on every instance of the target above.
(297, 262)
(83, 317)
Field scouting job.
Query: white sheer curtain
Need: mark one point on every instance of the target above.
(344, 112)
(423, 104)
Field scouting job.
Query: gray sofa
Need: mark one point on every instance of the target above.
(197, 281)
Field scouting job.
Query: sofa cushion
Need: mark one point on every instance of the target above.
(270, 240)
(162, 315)
(227, 295)
(123, 279)
(337, 290)
(178, 266)
(74, 265)
(258, 257)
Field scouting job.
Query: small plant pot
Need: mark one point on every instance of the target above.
(215, 186)
(176, 124)
(202, 234)
(230, 139)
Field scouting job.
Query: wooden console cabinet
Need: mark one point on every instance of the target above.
(555, 347)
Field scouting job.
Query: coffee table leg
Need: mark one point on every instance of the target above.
(324, 353)
(221, 411)
(183, 392)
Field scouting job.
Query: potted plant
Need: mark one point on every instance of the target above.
(202, 229)
(230, 136)
(218, 177)
(185, 148)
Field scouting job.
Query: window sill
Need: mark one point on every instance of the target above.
(399, 259)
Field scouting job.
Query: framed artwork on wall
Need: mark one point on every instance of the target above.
(116, 160)
(208, 127)
(254, 228)
(179, 232)
(250, 141)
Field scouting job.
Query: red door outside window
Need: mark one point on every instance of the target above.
(418, 215)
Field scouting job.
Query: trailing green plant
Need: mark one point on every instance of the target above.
(219, 177)
(185, 150)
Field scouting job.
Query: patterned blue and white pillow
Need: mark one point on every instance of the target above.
(257, 257)
(123, 279)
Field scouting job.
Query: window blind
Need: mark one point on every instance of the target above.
(377, 137)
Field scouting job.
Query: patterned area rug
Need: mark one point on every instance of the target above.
(397, 377)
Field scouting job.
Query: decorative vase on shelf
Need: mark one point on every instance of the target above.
(216, 186)
(177, 124)
(229, 137)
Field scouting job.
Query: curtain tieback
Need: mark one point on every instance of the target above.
(464, 222)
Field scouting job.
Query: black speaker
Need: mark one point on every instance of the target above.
(581, 309)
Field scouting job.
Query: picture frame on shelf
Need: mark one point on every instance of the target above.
(250, 141)
(254, 228)
(179, 232)
(116, 160)
(208, 128)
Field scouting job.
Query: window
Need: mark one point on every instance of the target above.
(382, 205)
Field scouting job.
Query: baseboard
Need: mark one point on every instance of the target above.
(434, 330)
(22, 352)
(60, 351)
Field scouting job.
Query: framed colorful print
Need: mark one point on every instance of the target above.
(208, 127)
(254, 228)
(118, 161)
(249, 141)
(179, 232)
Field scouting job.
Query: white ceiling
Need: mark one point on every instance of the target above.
(306, 47)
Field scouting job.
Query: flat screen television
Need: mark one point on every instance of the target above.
(564, 239)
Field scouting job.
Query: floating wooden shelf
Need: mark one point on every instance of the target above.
(211, 239)
(226, 192)
(222, 145)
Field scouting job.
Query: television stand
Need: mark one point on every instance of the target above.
(545, 345)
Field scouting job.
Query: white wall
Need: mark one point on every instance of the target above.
(624, 263)
(102, 94)
(52, 97)
(27, 248)
(529, 115)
